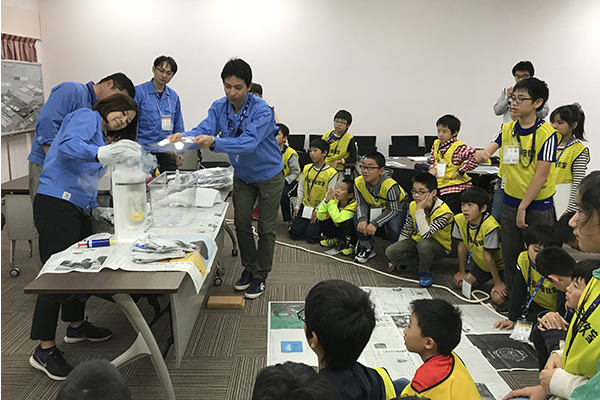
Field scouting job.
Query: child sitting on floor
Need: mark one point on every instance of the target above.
(335, 218)
(433, 333)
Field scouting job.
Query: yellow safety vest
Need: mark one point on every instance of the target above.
(564, 164)
(457, 384)
(546, 295)
(518, 176)
(442, 236)
(315, 184)
(451, 169)
(384, 188)
(390, 391)
(581, 354)
(287, 154)
(338, 150)
(488, 225)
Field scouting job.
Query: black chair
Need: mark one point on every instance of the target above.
(429, 142)
(296, 141)
(401, 151)
(312, 137)
(404, 177)
(303, 159)
(364, 149)
(406, 140)
(365, 141)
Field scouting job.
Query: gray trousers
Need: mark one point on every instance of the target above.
(259, 260)
(421, 254)
(34, 171)
(512, 237)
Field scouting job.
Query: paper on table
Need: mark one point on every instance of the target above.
(205, 197)
(394, 164)
(418, 158)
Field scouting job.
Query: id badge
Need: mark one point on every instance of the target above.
(166, 123)
(466, 289)
(375, 212)
(307, 212)
(511, 154)
(522, 331)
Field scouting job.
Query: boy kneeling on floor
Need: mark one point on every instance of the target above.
(335, 218)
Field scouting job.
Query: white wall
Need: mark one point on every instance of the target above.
(395, 65)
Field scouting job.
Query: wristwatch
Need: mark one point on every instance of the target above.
(212, 146)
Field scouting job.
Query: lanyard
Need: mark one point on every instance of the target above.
(158, 106)
(531, 154)
(442, 152)
(531, 296)
(239, 130)
(331, 141)
(581, 318)
(474, 240)
(310, 187)
(563, 150)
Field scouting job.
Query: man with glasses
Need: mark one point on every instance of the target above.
(160, 114)
(379, 201)
(342, 146)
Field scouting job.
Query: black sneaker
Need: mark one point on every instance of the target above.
(51, 363)
(256, 288)
(502, 308)
(244, 281)
(87, 331)
(365, 255)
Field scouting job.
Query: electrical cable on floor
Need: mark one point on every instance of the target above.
(477, 300)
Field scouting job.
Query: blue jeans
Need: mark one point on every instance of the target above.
(392, 228)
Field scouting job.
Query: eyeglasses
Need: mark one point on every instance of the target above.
(301, 315)
(368, 167)
(518, 100)
(420, 192)
(339, 122)
(517, 76)
(164, 71)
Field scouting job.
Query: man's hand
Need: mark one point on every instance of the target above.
(179, 160)
(295, 212)
(204, 141)
(370, 230)
(329, 195)
(482, 156)
(459, 277)
(552, 320)
(459, 176)
(521, 218)
(532, 392)
(506, 324)
(313, 218)
(362, 227)
(500, 289)
(427, 202)
(433, 171)
(509, 93)
(176, 137)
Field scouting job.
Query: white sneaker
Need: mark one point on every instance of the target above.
(365, 255)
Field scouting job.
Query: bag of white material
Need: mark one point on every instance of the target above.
(214, 178)
(206, 197)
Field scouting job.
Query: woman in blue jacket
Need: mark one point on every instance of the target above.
(87, 141)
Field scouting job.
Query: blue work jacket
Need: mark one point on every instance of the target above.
(64, 99)
(71, 171)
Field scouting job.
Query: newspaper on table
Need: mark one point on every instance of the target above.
(119, 256)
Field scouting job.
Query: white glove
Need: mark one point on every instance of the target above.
(104, 214)
(120, 151)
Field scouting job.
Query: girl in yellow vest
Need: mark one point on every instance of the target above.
(572, 156)
(566, 374)
(342, 146)
(315, 180)
(336, 215)
(291, 172)
(453, 157)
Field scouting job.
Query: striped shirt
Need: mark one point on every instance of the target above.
(464, 155)
(578, 169)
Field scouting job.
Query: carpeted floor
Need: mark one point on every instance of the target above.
(227, 348)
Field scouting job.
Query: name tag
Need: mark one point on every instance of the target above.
(466, 289)
(166, 123)
(307, 212)
(522, 331)
(375, 212)
(511, 154)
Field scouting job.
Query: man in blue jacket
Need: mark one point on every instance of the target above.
(243, 126)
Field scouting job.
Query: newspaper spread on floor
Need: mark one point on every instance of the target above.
(483, 349)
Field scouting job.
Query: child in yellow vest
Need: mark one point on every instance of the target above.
(335, 216)
(425, 236)
(291, 171)
(531, 291)
(433, 333)
(478, 235)
(453, 157)
(315, 180)
(380, 204)
(342, 146)
(572, 155)
(339, 319)
(527, 155)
